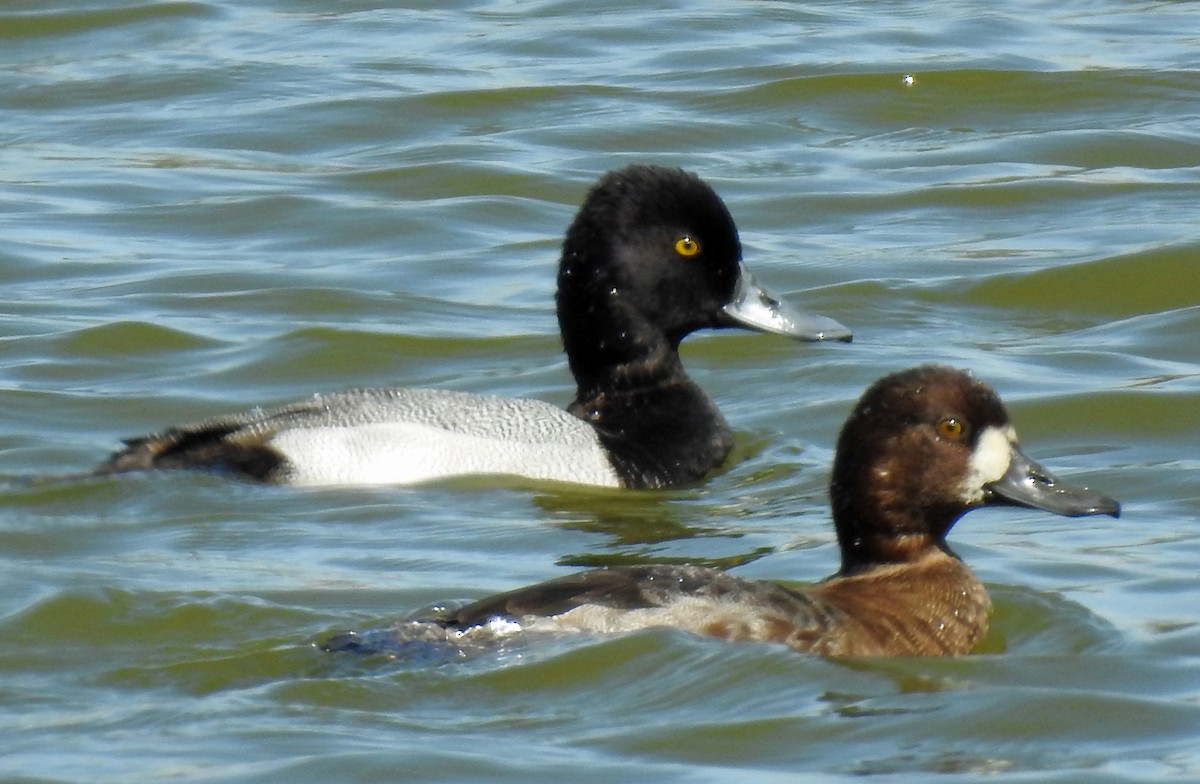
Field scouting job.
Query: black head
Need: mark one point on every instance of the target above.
(656, 246)
(653, 255)
(923, 447)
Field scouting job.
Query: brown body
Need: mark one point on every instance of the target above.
(934, 607)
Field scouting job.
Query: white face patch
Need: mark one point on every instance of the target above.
(989, 461)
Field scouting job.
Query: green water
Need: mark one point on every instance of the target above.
(206, 206)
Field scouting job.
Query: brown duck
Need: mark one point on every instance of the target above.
(922, 448)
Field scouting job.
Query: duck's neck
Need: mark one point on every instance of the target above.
(882, 517)
(605, 336)
(657, 425)
(864, 552)
(621, 362)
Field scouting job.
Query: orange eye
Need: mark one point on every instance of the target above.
(950, 428)
(686, 246)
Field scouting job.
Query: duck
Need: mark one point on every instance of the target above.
(922, 447)
(651, 256)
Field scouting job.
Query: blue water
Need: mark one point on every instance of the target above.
(206, 206)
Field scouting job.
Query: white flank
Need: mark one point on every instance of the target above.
(390, 453)
(396, 436)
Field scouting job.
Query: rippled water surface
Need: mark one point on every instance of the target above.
(212, 205)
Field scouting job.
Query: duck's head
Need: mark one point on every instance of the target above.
(923, 447)
(653, 255)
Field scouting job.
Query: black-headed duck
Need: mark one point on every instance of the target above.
(652, 255)
(922, 447)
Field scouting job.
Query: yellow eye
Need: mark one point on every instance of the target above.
(950, 428)
(686, 246)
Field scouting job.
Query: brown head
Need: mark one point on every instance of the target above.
(923, 447)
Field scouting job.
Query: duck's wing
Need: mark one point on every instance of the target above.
(630, 588)
(604, 601)
(449, 633)
(619, 588)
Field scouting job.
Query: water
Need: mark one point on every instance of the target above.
(206, 206)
